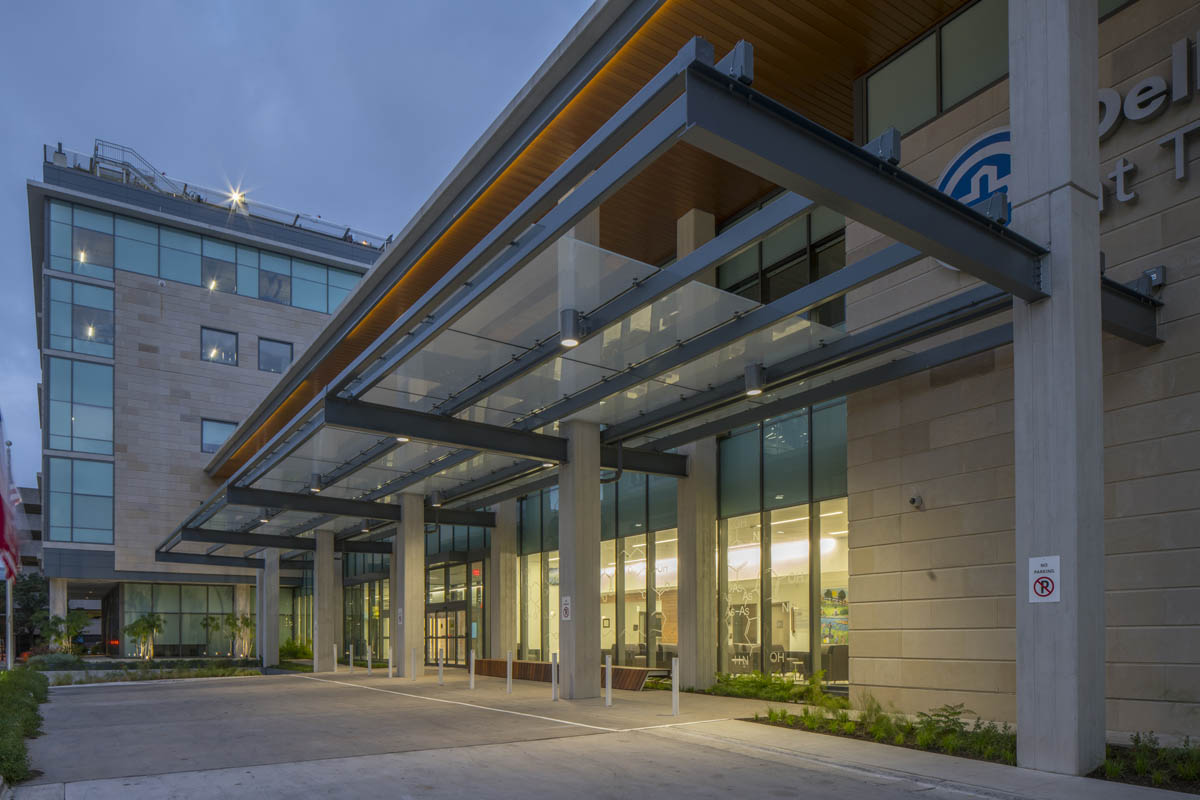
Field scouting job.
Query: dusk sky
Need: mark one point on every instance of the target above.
(354, 111)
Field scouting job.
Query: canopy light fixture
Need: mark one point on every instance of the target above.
(547, 464)
(314, 485)
(264, 516)
(435, 499)
(402, 439)
(756, 376)
(571, 327)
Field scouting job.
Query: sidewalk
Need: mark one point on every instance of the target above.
(972, 777)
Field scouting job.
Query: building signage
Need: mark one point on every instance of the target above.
(566, 608)
(982, 168)
(1045, 578)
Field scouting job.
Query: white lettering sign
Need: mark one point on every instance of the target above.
(1045, 578)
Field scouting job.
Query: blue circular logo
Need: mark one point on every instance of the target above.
(980, 169)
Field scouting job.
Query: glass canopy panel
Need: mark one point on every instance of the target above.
(547, 384)
(448, 363)
(232, 518)
(679, 316)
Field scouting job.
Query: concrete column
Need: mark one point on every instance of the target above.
(579, 562)
(696, 506)
(58, 597)
(502, 582)
(268, 607)
(692, 230)
(408, 587)
(327, 603)
(1057, 409)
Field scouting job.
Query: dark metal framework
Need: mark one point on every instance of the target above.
(714, 110)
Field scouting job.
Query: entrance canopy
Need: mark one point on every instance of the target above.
(461, 399)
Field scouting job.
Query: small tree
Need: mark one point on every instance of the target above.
(143, 630)
(60, 632)
(31, 598)
(212, 625)
(241, 633)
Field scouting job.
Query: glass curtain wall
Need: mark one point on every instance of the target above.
(365, 608)
(183, 609)
(782, 555)
(638, 595)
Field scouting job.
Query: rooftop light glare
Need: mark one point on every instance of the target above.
(755, 378)
(91, 332)
(212, 285)
(571, 329)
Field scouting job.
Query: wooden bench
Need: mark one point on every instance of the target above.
(630, 678)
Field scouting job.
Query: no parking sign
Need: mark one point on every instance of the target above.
(1044, 579)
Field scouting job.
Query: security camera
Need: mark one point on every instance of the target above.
(915, 501)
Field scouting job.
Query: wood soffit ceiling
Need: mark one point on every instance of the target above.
(807, 55)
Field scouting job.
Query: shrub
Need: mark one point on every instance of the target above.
(293, 649)
(1113, 768)
(56, 661)
(21, 690)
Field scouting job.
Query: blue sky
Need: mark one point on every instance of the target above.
(355, 111)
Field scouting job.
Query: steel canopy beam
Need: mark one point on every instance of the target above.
(262, 540)
(540, 448)
(211, 561)
(1128, 313)
(910, 365)
(315, 503)
(750, 130)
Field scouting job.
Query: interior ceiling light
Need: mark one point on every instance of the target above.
(570, 327)
(756, 376)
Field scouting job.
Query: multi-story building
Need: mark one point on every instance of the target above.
(795, 337)
(165, 313)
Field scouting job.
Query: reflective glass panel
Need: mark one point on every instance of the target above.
(903, 94)
(608, 600)
(274, 356)
(739, 468)
(740, 593)
(220, 347)
(664, 624)
(789, 581)
(835, 586)
(974, 50)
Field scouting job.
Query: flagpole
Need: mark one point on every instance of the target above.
(8, 620)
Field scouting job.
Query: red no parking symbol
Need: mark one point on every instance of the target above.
(1043, 586)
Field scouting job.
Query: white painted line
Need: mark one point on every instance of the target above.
(675, 724)
(461, 703)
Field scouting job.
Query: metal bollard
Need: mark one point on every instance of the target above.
(554, 676)
(509, 673)
(368, 659)
(471, 668)
(441, 682)
(335, 657)
(413, 672)
(675, 686)
(608, 679)
(351, 659)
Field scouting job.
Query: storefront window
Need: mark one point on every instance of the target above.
(835, 583)
(608, 599)
(740, 594)
(664, 627)
(637, 623)
(531, 595)
(790, 592)
(552, 600)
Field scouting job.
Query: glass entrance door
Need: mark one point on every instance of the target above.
(454, 612)
(445, 632)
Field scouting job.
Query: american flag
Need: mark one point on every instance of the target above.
(10, 499)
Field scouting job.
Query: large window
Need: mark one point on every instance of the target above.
(183, 609)
(638, 582)
(81, 318)
(220, 347)
(797, 254)
(80, 406)
(90, 242)
(782, 557)
(274, 356)
(963, 55)
(214, 433)
(81, 500)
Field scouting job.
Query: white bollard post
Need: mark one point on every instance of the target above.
(675, 686)
(509, 673)
(351, 659)
(413, 672)
(391, 663)
(554, 676)
(335, 657)
(368, 659)
(441, 682)
(608, 679)
(471, 668)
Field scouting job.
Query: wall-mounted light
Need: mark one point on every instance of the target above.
(756, 376)
(570, 327)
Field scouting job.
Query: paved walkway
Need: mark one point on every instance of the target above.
(349, 735)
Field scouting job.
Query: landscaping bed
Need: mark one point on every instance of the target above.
(74, 678)
(21, 692)
(56, 662)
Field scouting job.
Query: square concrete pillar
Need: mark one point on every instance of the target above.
(268, 607)
(408, 587)
(502, 582)
(696, 508)
(579, 562)
(1057, 389)
(327, 603)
